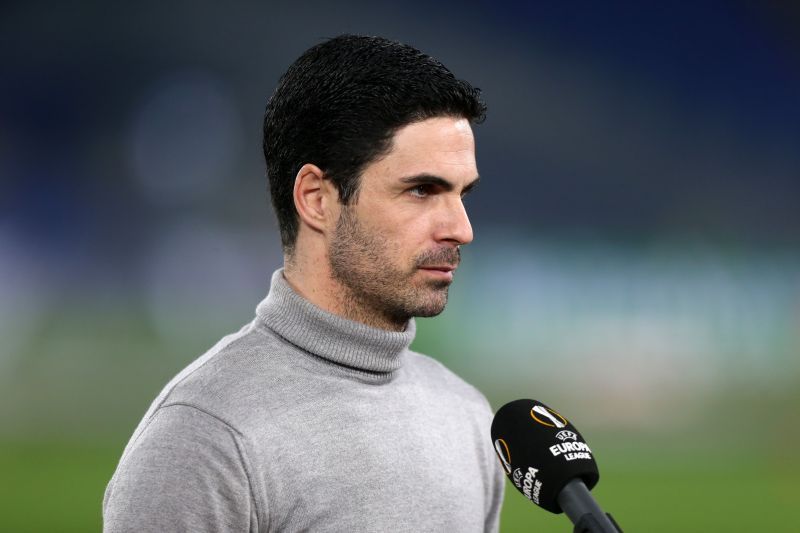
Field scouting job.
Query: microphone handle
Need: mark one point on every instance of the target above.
(578, 504)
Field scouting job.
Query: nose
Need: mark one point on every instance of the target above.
(455, 227)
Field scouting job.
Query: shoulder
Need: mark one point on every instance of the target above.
(231, 378)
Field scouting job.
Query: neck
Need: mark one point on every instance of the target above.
(312, 279)
(375, 354)
(354, 307)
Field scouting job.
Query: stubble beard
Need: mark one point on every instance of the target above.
(376, 291)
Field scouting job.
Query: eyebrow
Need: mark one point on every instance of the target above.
(430, 179)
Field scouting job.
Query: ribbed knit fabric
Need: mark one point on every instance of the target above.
(340, 341)
(305, 421)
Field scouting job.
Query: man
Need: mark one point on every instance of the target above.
(316, 416)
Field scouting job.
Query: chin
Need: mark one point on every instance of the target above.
(431, 308)
(427, 313)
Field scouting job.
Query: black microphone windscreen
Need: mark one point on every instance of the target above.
(541, 451)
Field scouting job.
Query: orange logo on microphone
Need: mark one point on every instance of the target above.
(503, 454)
(548, 417)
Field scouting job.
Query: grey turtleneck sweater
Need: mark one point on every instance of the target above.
(305, 421)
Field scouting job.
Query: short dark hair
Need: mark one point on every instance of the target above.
(338, 107)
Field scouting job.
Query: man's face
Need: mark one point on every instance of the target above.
(395, 250)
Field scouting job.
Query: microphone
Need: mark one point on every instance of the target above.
(549, 462)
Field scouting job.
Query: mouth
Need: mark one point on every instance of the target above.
(444, 272)
(441, 268)
(439, 265)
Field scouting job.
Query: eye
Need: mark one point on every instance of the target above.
(420, 191)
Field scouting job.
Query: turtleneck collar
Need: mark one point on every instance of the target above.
(330, 336)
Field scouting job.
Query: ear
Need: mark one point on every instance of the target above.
(315, 197)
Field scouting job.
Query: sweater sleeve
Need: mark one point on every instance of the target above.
(496, 479)
(498, 484)
(185, 472)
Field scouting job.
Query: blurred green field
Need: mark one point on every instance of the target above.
(716, 455)
(59, 487)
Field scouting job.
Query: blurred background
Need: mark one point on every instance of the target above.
(635, 262)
